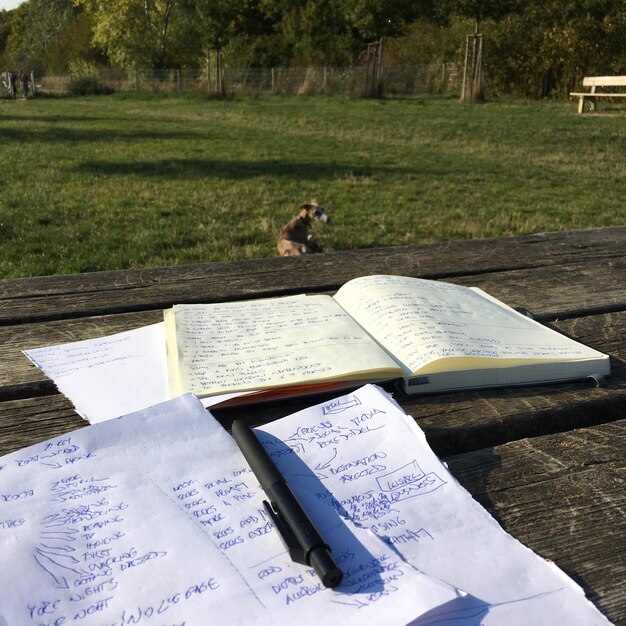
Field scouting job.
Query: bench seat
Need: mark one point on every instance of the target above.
(598, 81)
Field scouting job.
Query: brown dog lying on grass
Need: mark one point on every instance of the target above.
(294, 238)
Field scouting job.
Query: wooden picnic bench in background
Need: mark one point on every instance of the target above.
(593, 94)
(547, 461)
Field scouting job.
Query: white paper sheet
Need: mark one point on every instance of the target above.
(155, 518)
(373, 464)
(111, 376)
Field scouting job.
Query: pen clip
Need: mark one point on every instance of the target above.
(287, 536)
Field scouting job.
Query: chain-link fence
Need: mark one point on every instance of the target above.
(353, 81)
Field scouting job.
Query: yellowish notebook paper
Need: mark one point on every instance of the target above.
(453, 337)
(261, 344)
(433, 336)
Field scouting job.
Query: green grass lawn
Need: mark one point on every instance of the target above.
(124, 181)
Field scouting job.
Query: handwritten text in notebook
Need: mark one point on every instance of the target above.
(255, 344)
(443, 320)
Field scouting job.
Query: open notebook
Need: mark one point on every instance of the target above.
(431, 336)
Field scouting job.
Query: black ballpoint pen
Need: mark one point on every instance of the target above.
(302, 539)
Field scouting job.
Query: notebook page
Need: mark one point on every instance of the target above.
(260, 344)
(432, 326)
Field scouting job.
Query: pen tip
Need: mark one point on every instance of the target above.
(332, 578)
(326, 568)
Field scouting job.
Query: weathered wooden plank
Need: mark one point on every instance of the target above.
(563, 496)
(472, 420)
(599, 94)
(453, 422)
(604, 81)
(600, 251)
(490, 417)
(25, 422)
(561, 293)
(564, 291)
(465, 421)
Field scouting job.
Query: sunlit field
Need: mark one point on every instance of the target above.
(125, 180)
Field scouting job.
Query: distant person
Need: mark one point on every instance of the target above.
(13, 84)
(24, 81)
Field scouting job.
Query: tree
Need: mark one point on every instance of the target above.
(73, 49)
(255, 40)
(136, 34)
(45, 20)
(311, 32)
(12, 29)
(211, 23)
(5, 31)
(548, 47)
(214, 20)
(373, 19)
(479, 10)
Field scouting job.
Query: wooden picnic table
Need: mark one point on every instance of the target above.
(547, 461)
